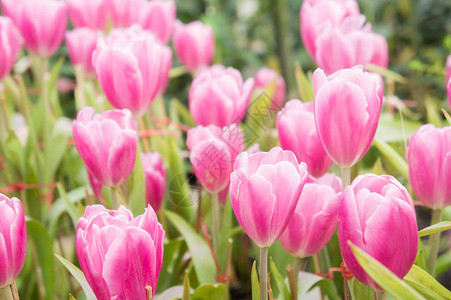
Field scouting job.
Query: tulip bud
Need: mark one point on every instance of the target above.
(218, 96)
(297, 133)
(429, 158)
(315, 218)
(128, 64)
(119, 255)
(264, 190)
(378, 216)
(314, 14)
(81, 43)
(107, 144)
(13, 239)
(265, 77)
(213, 153)
(194, 44)
(347, 108)
(88, 13)
(155, 179)
(10, 44)
(42, 24)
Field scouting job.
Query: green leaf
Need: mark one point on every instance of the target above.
(394, 157)
(361, 291)
(383, 276)
(224, 234)
(186, 288)
(79, 276)
(391, 129)
(200, 253)
(183, 112)
(72, 210)
(386, 73)
(55, 148)
(439, 227)
(284, 292)
(254, 282)
(423, 281)
(305, 87)
(44, 251)
(210, 291)
(443, 263)
(136, 187)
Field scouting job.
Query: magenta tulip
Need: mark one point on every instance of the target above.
(213, 153)
(81, 43)
(88, 13)
(128, 64)
(429, 158)
(155, 179)
(349, 44)
(13, 239)
(314, 14)
(265, 77)
(107, 144)
(218, 96)
(10, 44)
(265, 189)
(315, 218)
(347, 108)
(297, 133)
(377, 215)
(119, 255)
(194, 44)
(42, 24)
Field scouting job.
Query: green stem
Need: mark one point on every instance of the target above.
(80, 89)
(381, 295)
(297, 262)
(434, 240)
(13, 291)
(215, 222)
(263, 273)
(345, 177)
(115, 197)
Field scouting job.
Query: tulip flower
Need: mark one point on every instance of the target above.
(297, 133)
(13, 239)
(314, 14)
(42, 24)
(315, 218)
(347, 108)
(429, 158)
(88, 13)
(448, 91)
(349, 44)
(264, 78)
(128, 64)
(155, 179)
(107, 144)
(120, 255)
(194, 44)
(213, 153)
(81, 43)
(218, 96)
(378, 216)
(96, 187)
(10, 44)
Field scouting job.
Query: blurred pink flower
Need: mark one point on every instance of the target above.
(265, 77)
(10, 44)
(81, 43)
(155, 179)
(88, 13)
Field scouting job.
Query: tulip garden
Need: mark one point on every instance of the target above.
(255, 149)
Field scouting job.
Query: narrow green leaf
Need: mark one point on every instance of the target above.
(183, 112)
(55, 149)
(425, 282)
(284, 292)
(186, 288)
(361, 291)
(386, 73)
(254, 282)
(394, 157)
(210, 291)
(391, 129)
(439, 227)
(443, 263)
(200, 253)
(305, 88)
(79, 276)
(137, 188)
(383, 276)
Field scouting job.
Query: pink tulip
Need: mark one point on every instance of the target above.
(218, 96)
(213, 153)
(81, 43)
(429, 157)
(297, 133)
(42, 24)
(349, 44)
(119, 11)
(13, 239)
(155, 179)
(377, 215)
(347, 108)
(158, 16)
(107, 144)
(448, 69)
(10, 44)
(265, 189)
(96, 187)
(88, 13)
(315, 218)
(314, 14)
(194, 44)
(129, 66)
(119, 255)
(166, 65)
(448, 91)
(265, 77)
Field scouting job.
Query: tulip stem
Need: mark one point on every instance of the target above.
(297, 262)
(143, 129)
(263, 273)
(345, 177)
(381, 295)
(80, 89)
(434, 240)
(215, 222)
(13, 291)
(115, 197)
